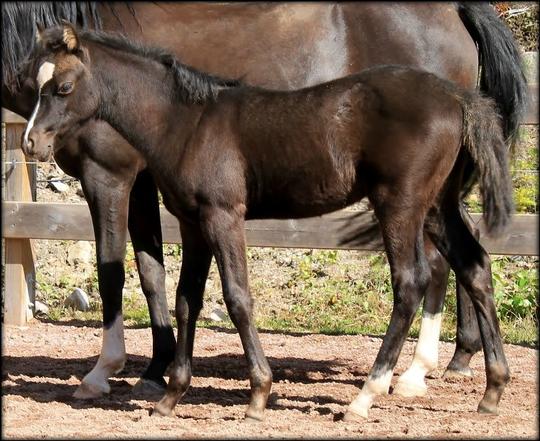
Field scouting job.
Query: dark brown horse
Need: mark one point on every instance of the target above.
(282, 45)
(222, 152)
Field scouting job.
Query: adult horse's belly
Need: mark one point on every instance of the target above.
(293, 45)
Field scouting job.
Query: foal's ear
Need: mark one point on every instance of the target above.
(70, 37)
(39, 33)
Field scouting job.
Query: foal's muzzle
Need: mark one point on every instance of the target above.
(39, 144)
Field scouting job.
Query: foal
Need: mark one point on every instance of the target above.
(222, 153)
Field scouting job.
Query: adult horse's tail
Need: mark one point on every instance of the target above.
(484, 140)
(501, 72)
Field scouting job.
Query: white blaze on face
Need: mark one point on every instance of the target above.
(45, 73)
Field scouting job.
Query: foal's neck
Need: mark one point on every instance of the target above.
(140, 102)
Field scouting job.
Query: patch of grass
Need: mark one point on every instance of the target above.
(339, 304)
(342, 292)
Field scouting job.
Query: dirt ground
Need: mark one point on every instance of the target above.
(315, 377)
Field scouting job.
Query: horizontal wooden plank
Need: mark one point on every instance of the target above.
(10, 117)
(339, 230)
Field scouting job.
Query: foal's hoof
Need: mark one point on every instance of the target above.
(488, 408)
(148, 389)
(160, 410)
(87, 391)
(358, 415)
(254, 416)
(409, 389)
(451, 373)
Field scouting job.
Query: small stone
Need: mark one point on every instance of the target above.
(40, 308)
(78, 299)
(80, 252)
(58, 186)
(217, 315)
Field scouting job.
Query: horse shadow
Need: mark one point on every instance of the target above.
(37, 378)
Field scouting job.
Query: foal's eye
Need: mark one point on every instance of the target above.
(65, 88)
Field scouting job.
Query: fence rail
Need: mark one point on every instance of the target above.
(25, 220)
(332, 231)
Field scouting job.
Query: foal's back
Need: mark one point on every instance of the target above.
(315, 150)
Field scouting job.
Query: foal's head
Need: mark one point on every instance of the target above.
(68, 93)
(73, 88)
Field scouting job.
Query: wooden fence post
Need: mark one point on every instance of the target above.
(19, 286)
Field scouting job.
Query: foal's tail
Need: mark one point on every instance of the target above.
(501, 75)
(484, 140)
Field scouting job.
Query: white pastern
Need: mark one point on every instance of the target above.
(45, 73)
(111, 361)
(426, 357)
(372, 387)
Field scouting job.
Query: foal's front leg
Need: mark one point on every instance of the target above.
(196, 259)
(224, 232)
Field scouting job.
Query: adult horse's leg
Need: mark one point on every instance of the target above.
(196, 259)
(107, 194)
(426, 355)
(468, 340)
(145, 231)
(472, 266)
(404, 243)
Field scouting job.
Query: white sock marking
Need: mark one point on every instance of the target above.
(426, 354)
(45, 73)
(112, 357)
(372, 387)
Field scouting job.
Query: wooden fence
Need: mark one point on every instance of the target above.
(25, 220)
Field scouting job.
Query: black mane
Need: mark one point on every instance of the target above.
(192, 86)
(19, 29)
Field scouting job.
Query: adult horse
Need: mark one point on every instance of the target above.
(274, 45)
(222, 152)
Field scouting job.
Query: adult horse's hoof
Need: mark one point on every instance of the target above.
(148, 389)
(464, 372)
(87, 391)
(410, 389)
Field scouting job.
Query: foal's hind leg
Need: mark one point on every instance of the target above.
(196, 258)
(426, 355)
(403, 237)
(473, 269)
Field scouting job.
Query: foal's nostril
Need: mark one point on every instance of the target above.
(30, 145)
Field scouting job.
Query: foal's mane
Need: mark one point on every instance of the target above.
(19, 29)
(191, 85)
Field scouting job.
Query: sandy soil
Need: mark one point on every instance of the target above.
(315, 377)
